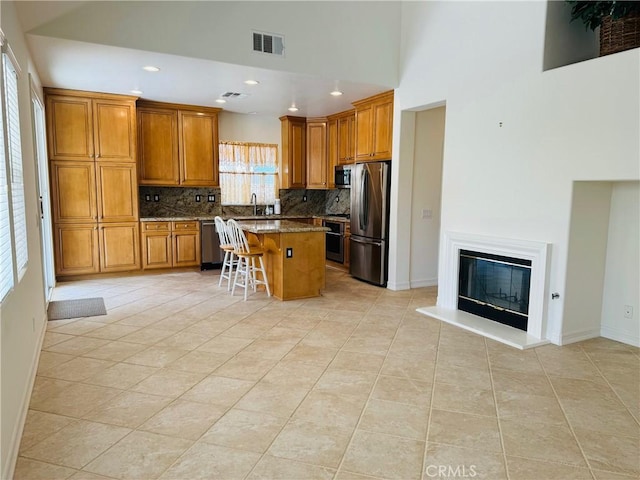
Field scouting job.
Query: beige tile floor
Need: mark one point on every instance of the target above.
(181, 381)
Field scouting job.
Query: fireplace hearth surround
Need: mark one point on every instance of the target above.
(535, 254)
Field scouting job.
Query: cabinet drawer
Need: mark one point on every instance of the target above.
(180, 226)
(156, 226)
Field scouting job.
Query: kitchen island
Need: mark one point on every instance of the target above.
(294, 255)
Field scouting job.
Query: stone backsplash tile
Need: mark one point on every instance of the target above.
(180, 202)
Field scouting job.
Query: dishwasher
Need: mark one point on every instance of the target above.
(211, 256)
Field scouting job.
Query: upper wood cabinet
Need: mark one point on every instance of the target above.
(158, 162)
(332, 150)
(293, 166)
(85, 126)
(317, 166)
(198, 134)
(117, 192)
(374, 127)
(178, 144)
(346, 137)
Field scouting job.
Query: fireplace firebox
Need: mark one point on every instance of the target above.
(495, 287)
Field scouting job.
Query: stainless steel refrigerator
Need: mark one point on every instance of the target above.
(369, 247)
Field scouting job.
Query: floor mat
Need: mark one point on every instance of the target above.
(83, 307)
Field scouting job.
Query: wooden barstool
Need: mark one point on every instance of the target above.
(247, 268)
(230, 260)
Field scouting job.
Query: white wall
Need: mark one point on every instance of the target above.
(332, 39)
(23, 310)
(426, 191)
(622, 273)
(587, 252)
(238, 127)
(517, 137)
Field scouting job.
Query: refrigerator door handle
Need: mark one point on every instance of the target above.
(366, 242)
(361, 201)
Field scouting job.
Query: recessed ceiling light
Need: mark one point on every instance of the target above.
(253, 113)
(151, 68)
(251, 82)
(336, 93)
(293, 108)
(220, 100)
(136, 92)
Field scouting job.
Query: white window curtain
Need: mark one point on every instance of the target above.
(247, 168)
(14, 149)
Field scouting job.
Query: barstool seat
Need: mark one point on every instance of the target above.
(247, 268)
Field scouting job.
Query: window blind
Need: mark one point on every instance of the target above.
(6, 248)
(15, 163)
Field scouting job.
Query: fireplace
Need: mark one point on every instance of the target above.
(511, 281)
(495, 287)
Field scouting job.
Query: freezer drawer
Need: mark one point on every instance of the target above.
(368, 260)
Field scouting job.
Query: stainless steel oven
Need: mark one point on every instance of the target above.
(335, 240)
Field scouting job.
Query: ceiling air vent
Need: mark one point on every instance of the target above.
(268, 43)
(233, 95)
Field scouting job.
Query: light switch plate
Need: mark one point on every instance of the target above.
(289, 253)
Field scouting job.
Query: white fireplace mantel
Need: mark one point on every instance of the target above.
(447, 307)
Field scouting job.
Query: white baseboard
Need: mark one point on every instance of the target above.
(619, 336)
(427, 282)
(18, 428)
(398, 285)
(579, 336)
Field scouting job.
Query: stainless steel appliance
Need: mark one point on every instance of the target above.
(335, 240)
(369, 248)
(210, 252)
(342, 177)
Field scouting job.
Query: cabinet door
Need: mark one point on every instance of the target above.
(114, 130)
(73, 186)
(382, 130)
(198, 149)
(70, 128)
(76, 249)
(332, 152)
(346, 140)
(119, 247)
(297, 159)
(364, 132)
(156, 250)
(117, 192)
(158, 162)
(186, 249)
(317, 155)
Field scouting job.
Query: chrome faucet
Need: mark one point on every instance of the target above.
(254, 202)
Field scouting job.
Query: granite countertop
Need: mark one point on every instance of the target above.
(261, 218)
(279, 226)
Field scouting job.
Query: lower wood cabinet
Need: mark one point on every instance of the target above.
(96, 247)
(170, 244)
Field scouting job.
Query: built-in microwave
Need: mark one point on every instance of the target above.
(343, 176)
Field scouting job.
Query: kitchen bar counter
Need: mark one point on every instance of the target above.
(259, 218)
(294, 255)
(279, 226)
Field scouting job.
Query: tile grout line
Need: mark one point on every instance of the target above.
(495, 403)
(566, 418)
(431, 401)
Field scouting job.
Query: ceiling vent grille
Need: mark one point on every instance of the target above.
(233, 95)
(268, 43)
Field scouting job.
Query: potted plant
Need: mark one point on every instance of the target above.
(619, 23)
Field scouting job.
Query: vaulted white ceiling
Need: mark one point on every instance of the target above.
(204, 49)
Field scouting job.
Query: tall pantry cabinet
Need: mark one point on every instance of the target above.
(92, 166)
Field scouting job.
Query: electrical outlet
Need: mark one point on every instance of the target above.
(289, 252)
(426, 213)
(337, 199)
(211, 198)
(628, 311)
(147, 198)
(198, 197)
(304, 198)
(156, 198)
